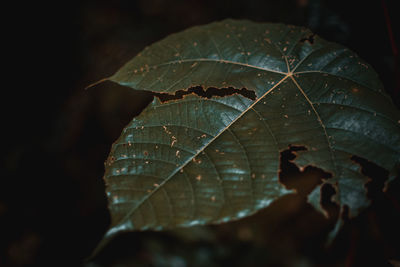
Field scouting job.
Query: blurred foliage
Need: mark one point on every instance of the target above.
(52, 202)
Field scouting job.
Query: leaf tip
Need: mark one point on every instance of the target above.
(96, 83)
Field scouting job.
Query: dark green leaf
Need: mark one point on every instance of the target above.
(211, 159)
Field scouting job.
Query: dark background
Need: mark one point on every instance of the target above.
(57, 136)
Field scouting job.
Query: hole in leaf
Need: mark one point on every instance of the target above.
(377, 175)
(293, 178)
(309, 39)
(327, 192)
(208, 93)
(345, 213)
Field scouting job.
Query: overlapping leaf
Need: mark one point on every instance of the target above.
(199, 160)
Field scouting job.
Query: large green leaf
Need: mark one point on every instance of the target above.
(198, 160)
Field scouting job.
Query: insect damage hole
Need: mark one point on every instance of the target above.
(208, 93)
(290, 175)
(327, 203)
(377, 176)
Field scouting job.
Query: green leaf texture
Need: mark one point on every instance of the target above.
(197, 160)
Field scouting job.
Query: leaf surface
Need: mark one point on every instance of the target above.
(198, 160)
